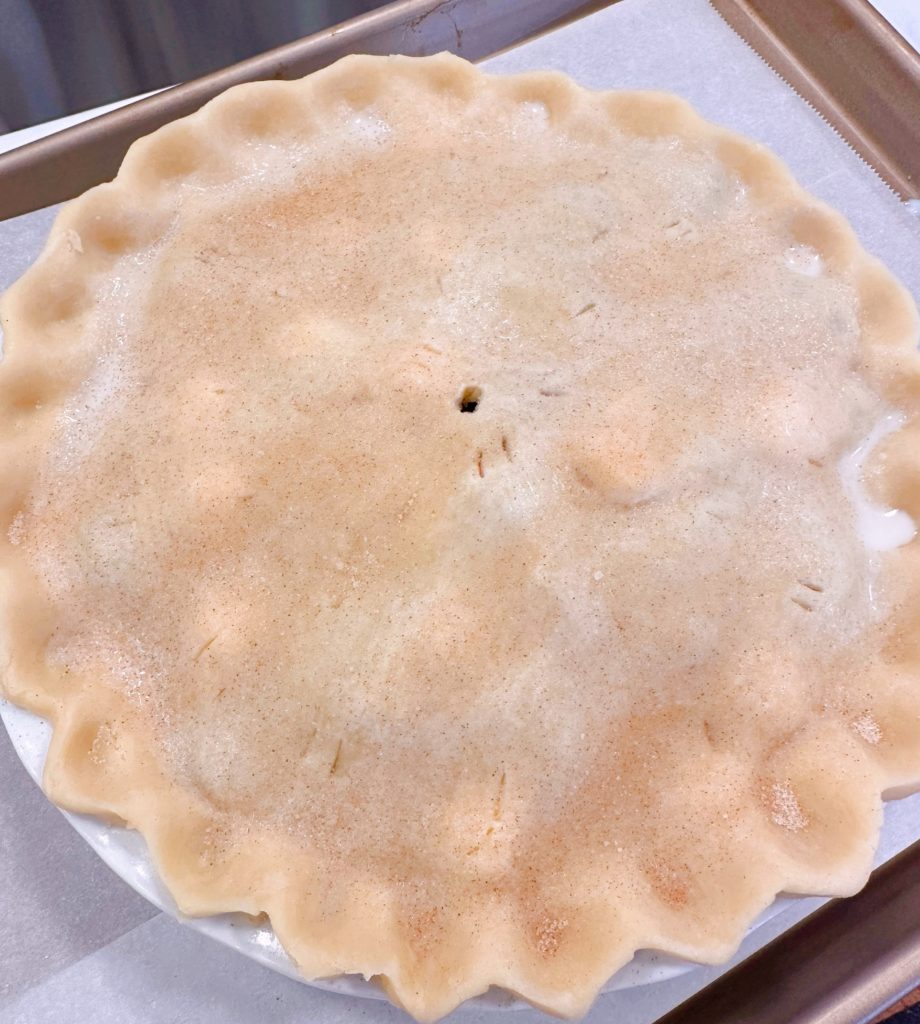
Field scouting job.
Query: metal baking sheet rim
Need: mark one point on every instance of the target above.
(91, 151)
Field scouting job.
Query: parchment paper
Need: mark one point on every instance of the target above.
(76, 945)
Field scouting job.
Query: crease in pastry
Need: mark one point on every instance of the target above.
(478, 691)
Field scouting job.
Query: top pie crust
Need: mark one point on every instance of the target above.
(463, 699)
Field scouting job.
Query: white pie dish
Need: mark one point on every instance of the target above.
(126, 853)
(639, 751)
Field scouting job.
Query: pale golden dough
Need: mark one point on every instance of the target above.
(463, 699)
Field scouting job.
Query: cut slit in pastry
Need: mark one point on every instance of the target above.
(421, 520)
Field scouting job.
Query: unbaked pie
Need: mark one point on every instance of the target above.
(423, 520)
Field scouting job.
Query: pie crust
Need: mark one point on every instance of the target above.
(421, 520)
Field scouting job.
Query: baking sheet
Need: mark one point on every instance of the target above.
(156, 970)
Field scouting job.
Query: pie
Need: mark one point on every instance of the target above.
(423, 520)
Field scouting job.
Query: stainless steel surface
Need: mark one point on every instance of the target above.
(61, 56)
(64, 165)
